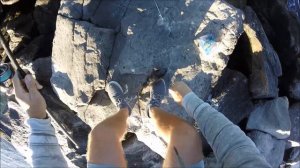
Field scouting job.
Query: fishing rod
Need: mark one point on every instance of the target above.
(6, 73)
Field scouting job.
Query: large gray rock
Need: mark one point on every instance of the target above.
(271, 117)
(145, 41)
(270, 147)
(231, 96)
(265, 65)
(80, 59)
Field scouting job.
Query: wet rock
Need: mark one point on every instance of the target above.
(294, 112)
(231, 96)
(270, 147)
(80, 58)
(283, 31)
(265, 64)
(271, 117)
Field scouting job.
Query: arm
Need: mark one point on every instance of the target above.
(42, 140)
(231, 146)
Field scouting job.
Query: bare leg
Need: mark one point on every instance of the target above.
(178, 134)
(104, 145)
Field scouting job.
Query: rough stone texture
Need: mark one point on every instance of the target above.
(271, 117)
(292, 157)
(294, 112)
(270, 147)
(231, 96)
(283, 31)
(265, 65)
(80, 60)
(42, 70)
(145, 40)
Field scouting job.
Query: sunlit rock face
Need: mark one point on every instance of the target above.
(97, 41)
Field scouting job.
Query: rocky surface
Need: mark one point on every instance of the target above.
(80, 60)
(264, 64)
(283, 31)
(271, 117)
(294, 112)
(270, 147)
(123, 40)
(231, 96)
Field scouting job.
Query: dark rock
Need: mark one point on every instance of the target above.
(71, 9)
(265, 65)
(270, 147)
(42, 69)
(294, 90)
(271, 117)
(294, 6)
(294, 112)
(38, 47)
(82, 55)
(283, 31)
(292, 155)
(238, 3)
(45, 10)
(139, 155)
(231, 96)
(3, 102)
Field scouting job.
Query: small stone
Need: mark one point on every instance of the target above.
(42, 69)
(271, 117)
(270, 147)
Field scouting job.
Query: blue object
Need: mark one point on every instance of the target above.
(207, 43)
(5, 73)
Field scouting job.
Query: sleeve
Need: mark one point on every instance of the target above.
(44, 145)
(231, 146)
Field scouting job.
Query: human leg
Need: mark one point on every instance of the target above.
(180, 136)
(104, 144)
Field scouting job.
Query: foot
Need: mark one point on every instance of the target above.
(116, 95)
(157, 94)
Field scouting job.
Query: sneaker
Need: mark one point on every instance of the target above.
(116, 95)
(157, 94)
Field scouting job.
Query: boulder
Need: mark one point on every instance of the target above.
(283, 31)
(148, 40)
(294, 112)
(80, 58)
(231, 96)
(265, 65)
(270, 147)
(271, 117)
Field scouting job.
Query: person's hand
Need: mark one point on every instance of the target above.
(178, 91)
(28, 96)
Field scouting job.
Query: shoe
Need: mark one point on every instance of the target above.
(157, 93)
(116, 95)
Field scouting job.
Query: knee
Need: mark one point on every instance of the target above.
(99, 132)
